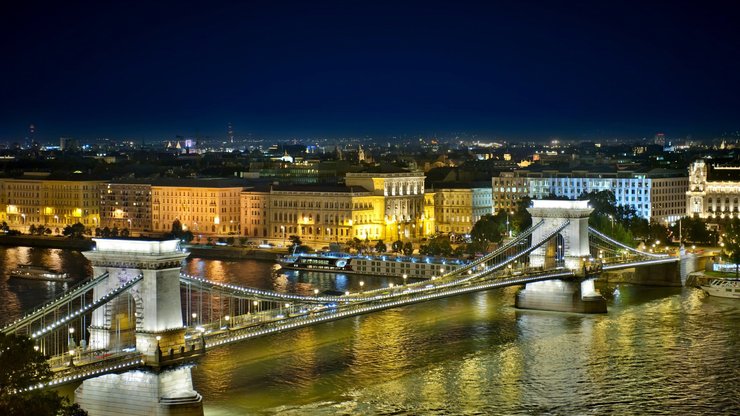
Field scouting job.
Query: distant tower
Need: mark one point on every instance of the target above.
(360, 154)
(659, 139)
(31, 135)
(231, 134)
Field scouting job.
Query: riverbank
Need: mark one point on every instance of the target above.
(195, 250)
(81, 244)
(228, 252)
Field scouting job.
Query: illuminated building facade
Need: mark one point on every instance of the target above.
(49, 202)
(126, 205)
(254, 208)
(324, 214)
(206, 207)
(656, 195)
(714, 190)
(403, 196)
(458, 207)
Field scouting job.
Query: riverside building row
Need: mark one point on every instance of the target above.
(387, 206)
(656, 195)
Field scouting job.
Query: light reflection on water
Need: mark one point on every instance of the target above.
(657, 351)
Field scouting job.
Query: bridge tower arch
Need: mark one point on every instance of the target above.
(569, 246)
(158, 310)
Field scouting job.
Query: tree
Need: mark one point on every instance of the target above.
(380, 247)
(124, 232)
(732, 243)
(408, 249)
(176, 228)
(114, 232)
(658, 232)
(32, 229)
(20, 367)
(693, 229)
(295, 242)
(397, 246)
(521, 219)
(489, 228)
(438, 246)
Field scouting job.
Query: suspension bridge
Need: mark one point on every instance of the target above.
(140, 310)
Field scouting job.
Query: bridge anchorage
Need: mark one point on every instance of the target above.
(140, 311)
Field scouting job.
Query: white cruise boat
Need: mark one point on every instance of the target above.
(27, 271)
(723, 288)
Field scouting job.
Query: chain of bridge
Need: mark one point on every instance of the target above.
(616, 255)
(66, 297)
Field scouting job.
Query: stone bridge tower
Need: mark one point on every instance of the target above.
(157, 310)
(570, 246)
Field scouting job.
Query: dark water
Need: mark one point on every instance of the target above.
(657, 351)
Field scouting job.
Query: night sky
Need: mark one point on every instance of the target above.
(297, 69)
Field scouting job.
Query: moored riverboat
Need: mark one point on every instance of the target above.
(723, 288)
(30, 272)
(412, 267)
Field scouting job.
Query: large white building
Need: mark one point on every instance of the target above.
(656, 195)
(714, 190)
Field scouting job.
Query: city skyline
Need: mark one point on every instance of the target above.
(349, 69)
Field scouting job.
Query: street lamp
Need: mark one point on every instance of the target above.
(159, 349)
(611, 217)
(405, 276)
(282, 228)
(194, 315)
(362, 284)
(316, 292)
(227, 318)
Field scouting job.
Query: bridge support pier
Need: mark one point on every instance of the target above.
(166, 393)
(561, 296)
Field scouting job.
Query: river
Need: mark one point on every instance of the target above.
(657, 351)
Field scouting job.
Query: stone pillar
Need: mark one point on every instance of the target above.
(575, 234)
(168, 393)
(157, 296)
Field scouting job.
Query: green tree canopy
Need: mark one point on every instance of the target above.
(732, 243)
(380, 247)
(489, 228)
(20, 367)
